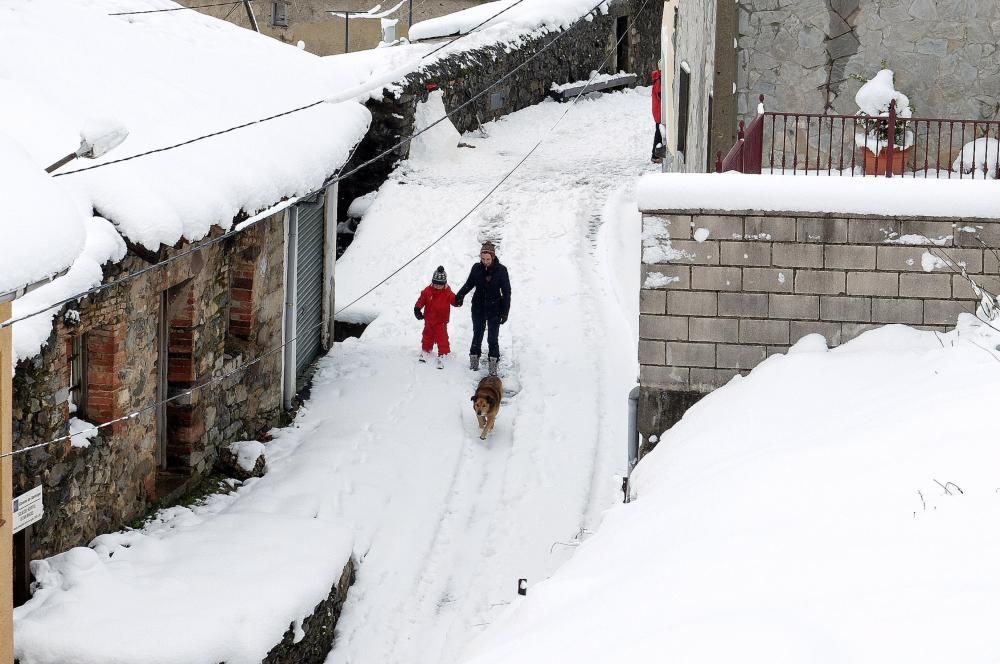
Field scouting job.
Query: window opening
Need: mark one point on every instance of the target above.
(683, 110)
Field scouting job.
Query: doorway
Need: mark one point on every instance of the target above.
(177, 428)
(622, 40)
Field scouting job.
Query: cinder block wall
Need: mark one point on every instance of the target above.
(759, 282)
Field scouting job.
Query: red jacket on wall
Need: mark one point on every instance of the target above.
(438, 304)
(657, 98)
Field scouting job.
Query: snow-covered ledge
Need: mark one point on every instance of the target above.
(737, 268)
(736, 193)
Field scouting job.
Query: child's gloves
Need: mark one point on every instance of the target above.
(419, 314)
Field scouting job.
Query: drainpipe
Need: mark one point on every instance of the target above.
(633, 439)
(291, 266)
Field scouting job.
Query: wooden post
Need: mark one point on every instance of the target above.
(890, 146)
(6, 495)
(250, 15)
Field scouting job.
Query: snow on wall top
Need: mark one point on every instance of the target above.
(169, 77)
(713, 562)
(39, 240)
(847, 195)
(529, 15)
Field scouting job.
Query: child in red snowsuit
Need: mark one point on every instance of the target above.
(436, 301)
(658, 148)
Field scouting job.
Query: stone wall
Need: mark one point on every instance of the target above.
(761, 281)
(96, 489)
(694, 51)
(309, 22)
(318, 628)
(800, 54)
(582, 49)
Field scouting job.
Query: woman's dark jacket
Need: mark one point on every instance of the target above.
(492, 285)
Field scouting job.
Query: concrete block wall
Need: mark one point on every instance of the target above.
(716, 305)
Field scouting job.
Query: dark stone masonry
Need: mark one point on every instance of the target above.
(129, 465)
(572, 57)
(318, 628)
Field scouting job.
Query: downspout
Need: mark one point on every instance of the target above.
(291, 267)
(633, 440)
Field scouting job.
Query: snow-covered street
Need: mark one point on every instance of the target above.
(384, 458)
(451, 523)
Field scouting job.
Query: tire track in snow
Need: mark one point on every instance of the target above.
(498, 516)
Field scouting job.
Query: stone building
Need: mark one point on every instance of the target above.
(622, 38)
(806, 56)
(202, 336)
(801, 55)
(310, 21)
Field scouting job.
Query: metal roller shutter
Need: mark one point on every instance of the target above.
(309, 286)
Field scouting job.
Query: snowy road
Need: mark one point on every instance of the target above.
(448, 524)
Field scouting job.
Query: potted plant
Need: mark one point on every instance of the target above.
(883, 107)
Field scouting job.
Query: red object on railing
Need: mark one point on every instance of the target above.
(747, 155)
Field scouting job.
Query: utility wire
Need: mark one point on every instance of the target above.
(231, 10)
(278, 115)
(177, 9)
(469, 32)
(282, 346)
(191, 140)
(338, 178)
(499, 184)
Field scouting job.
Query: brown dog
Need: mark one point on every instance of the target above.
(486, 403)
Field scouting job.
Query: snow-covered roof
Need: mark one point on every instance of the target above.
(528, 16)
(901, 197)
(42, 228)
(168, 77)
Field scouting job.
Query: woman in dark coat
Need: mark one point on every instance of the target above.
(490, 304)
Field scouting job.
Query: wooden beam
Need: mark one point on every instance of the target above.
(6, 495)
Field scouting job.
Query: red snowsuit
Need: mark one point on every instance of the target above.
(657, 98)
(437, 311)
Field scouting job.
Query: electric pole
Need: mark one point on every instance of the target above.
(253, 19)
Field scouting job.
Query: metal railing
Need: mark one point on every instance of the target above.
(856, 145)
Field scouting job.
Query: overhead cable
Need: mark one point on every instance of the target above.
(280, 347)
(240, 228)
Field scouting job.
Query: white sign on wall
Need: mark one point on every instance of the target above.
(28, 508)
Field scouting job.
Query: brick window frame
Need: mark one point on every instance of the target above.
(76, 361)
(105, 358)
(242, 303)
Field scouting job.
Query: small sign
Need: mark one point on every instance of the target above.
(28, 509)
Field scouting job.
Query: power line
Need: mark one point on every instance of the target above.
(282, 346)
(177, 9)
(342, 176)
(191, 140)
(469, 32)
(498, 185)
(268, 118)
(231, 10)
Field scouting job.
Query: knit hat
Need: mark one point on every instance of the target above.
(440, 277)
(488, 248)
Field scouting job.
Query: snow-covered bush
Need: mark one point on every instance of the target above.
(980, 155)
(873, 100)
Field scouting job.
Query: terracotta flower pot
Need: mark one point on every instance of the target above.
(875, 165)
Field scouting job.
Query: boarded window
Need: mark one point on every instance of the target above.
(78, 376)
(622, 40)
(683, 109)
